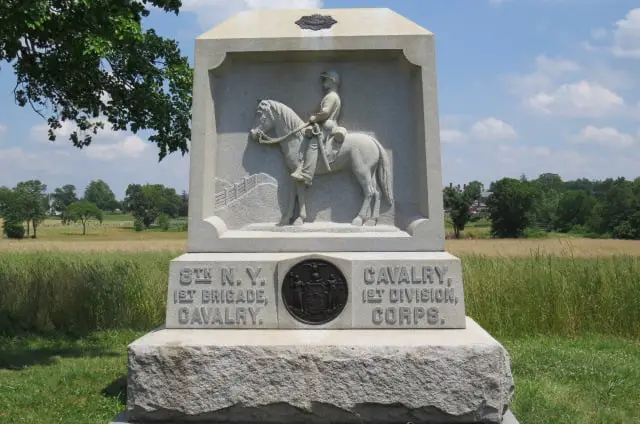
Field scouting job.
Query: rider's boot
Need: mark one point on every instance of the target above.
(307, 167)
(297, 174)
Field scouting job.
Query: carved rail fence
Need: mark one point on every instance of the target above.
(241, 189)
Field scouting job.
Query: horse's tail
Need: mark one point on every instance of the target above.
(383, 173)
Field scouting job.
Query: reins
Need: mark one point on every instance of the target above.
(264, 139)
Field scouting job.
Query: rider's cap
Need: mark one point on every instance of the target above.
(332, 75)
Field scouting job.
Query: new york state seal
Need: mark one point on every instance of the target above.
(314, 292)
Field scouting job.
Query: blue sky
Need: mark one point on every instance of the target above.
(525, 86)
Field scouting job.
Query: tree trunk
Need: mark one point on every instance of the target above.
(84, 228)
(28, 227)
(456, 231)
(34, 228)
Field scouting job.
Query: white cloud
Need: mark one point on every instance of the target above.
(130, 146)
(57, 166)
(548, 72)
(492, 129)
(15, 161)
(106, 145)
(626, 36)
(605, 136)
(3, 131)
(452, 136)
(599, 34)
(488, 129)
(581, 99)
(563, 87)
(211, 12)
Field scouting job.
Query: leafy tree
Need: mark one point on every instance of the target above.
(510, 205)
(601, 188)
(545, 207)
(474, 190)
(32, 202)
(138, 225)
(580, 184)
(100, 193)
(13, 229)
(184, 206)
(459, 205)
(83, 211)
(63, 197)
(628, 229)
(7, 200)
(12, 214)
(550, 188)
(146, 202)
(574, 208)
(91, 62)
(618, 203)
(549, 182)
(164, 221)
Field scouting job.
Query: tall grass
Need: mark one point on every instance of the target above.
(545, 294)
(77, 293)
(81, 292)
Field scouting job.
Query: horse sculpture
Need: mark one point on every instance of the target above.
(359, 152)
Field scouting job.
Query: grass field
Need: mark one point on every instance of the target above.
(116, 234)
(112, 239)
(586, 380)
(567, 309)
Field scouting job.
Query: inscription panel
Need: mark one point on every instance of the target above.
(401, 290)
(408, 294)
(222, 295)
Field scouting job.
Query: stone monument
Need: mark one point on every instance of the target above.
(316, 288)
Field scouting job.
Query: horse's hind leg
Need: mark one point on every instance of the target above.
(364, 179)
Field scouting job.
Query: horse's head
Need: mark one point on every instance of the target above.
(264, 120)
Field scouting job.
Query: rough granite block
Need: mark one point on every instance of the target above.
(508, 418)
(323, 376)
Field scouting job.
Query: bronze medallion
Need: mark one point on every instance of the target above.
(314, 291)
(316, 22)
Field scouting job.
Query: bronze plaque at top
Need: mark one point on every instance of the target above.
(314, 291)
(316, 22)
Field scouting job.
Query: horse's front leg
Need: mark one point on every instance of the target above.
(286, 218)
(302, 203)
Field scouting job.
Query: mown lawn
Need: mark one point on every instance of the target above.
(585, 380)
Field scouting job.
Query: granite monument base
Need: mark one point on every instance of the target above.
(508, 418)
(322, 376)
(371, 290)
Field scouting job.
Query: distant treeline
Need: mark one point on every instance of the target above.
(29, 203)
(606, 208)
(514, 207)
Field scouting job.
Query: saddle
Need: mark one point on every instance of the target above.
(336, 134)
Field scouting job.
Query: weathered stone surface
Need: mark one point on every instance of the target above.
(394, 134)
(508, 418)
(385, 290)
(301, 376)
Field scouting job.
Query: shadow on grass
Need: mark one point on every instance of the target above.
(17, 356)
(117, 389)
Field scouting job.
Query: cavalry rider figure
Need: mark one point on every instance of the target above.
(324, 125)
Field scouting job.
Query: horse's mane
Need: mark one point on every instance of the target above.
(291, 119)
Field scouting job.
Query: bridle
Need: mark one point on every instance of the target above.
(265, 139)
